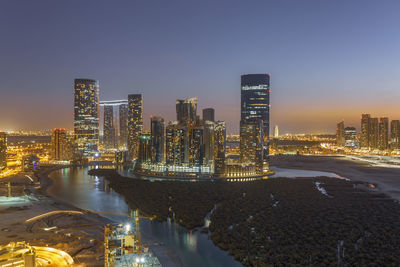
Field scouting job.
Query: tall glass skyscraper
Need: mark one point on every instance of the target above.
(255, 90)
(123, 125)
(86, 116)
(109, 128)
(135, 122)
(157, 139)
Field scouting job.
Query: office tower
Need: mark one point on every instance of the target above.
(186, 110)
(86, 116)
(195, 147)
(209, 142)
(208, 114)
(373, 133)
(255, 90)
(135, 122)
(109, 129)
(3, 151)
(219, 150)
(251, 140)
(350, 137)
(157, 139)
(364, 135)
(144, 150)
(340, 139)
(395, 134)
(123, 125)
(60, 147)
(30, 163)
(276, 132)
(383, 138)
(175, 143)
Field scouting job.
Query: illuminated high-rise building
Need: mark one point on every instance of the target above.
(251, 140)
(123, 125)
(157, 139)
(383, 139)
(364, 135)
(109, 129)
(255, 90)
(3, 151)
(276, 132)
(219, 149)
(86, 116)
(135, 122)
(144, 150)
(350, 137)
(195, 146)
(209, 114)
(175, 144)
(340, 139)
(373, 133)
(186, 110)
(61, 148)
(209, 142)
(395, 134)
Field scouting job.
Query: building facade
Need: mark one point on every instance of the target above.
(123, 125)
(255, 93)
(186, 110)
(61, 148)
(383, 138)
(86, 116)
(135, 122)
(157, 139)
(373, 133)
(365, 131)
(144, 151)
(219, 147)
(350, 135)
(395, 134)
(340, 138)
(109, 128)
(208, 114)
(3, 151)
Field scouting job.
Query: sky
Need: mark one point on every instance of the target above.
(328, 60)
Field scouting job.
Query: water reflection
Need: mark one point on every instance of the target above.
(75, 186)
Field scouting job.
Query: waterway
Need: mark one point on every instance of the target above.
(76, 187)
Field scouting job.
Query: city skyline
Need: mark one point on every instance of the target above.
(319, 76)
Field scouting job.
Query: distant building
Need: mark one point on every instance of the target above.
(109, 129)
(365, 130)
(186, 110)
(30, 163)
(276, 132)
(395, 134)
(61, 148)
(135, 122)
(340, 139)
(3, 151)
(208, 114)
(209, 142)
(86, 116)
(383, 139)
(175, 143)
(157, 139)
(123, 125)
(373, 133)
(144, 150)
(195, 148)
(219, 149)
(350, 135)
(255, 90)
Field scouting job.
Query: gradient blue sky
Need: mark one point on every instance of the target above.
(329, 60)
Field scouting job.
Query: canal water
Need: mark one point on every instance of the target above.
(194, 249)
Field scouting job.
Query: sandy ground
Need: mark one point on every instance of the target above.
(386, 179)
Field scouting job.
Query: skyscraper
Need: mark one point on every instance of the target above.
(209, 114)
(255, 90)
(383, 139)
(186, 110)
(135, 122)
(195, 148)
(251, 140)
(219, 150)
(340, 139)
(60, 147)
(109, 129)
(157, 139)
(350, 137)
(276, 132)
(86, 116)
(209, 141)
(395, 134)
(144, 150)
(175, 143)
(123, 125)
(364, 138)
(3, 151)
(373, 133)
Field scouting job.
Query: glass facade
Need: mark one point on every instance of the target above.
(86, 116)
(109, 129)
(157, 139)
(135, 122)
(3, 151)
